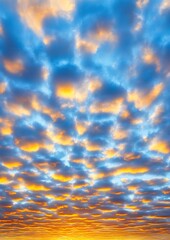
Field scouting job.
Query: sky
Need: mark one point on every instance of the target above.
(84, 119)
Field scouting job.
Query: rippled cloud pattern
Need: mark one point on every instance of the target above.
(84, 119)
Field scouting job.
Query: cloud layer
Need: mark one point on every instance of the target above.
(84, 119)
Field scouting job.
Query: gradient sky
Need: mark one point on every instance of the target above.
(84, 119)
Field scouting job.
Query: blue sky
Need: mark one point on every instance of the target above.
(84, 119)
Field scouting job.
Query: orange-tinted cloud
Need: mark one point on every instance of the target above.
(66, 91)
(81, 127)
(61, 178)
(13, 66)
(130, 170)
(150, 58)
(103, 34)
(165, 4)
(18, 109)
(12, 164)
(90, 146)
(36, 187)
(160, 146)
(109, 153)
(131, 156)
(6, 127)
(142, 100)
(119, 134)
(3, 86)
(28, 146)
(60, 137)
(141, 3)
(86, 45)
(94, 84)
(113, 106)
(5, 179)
(33, 13)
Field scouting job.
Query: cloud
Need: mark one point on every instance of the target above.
(84, 119)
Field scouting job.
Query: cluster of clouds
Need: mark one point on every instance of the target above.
(84, 118)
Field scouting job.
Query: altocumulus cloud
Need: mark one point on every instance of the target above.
(84, 119)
